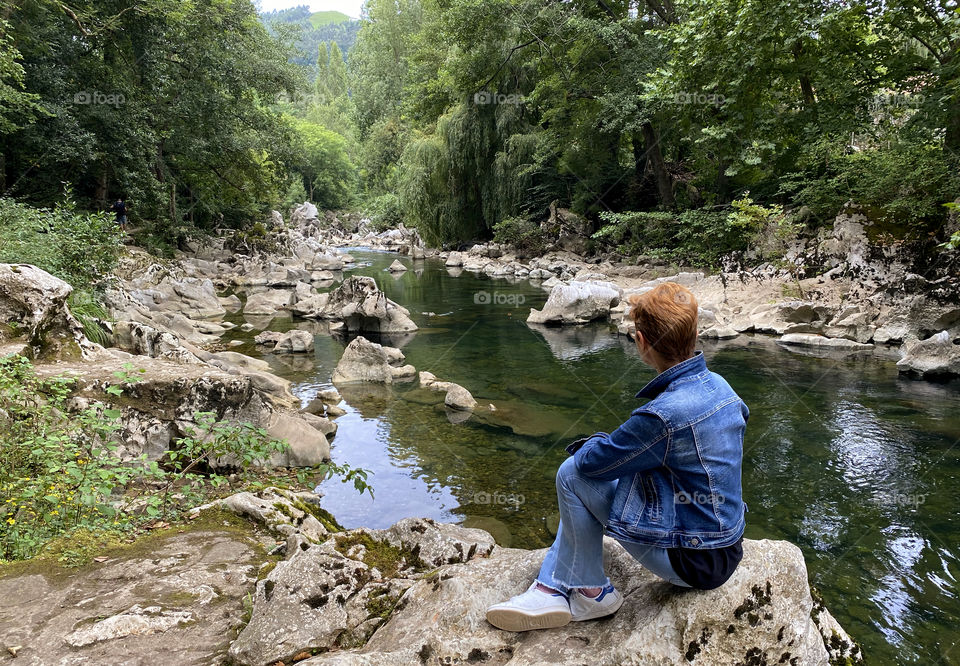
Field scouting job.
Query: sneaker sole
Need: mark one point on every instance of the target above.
(514, 620)
(605, 612)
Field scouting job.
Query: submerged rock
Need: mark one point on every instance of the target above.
(456, 397)
(365, 361)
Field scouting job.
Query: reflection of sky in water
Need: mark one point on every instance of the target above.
(842, 457)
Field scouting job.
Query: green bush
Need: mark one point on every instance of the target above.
(699, 237)
(385, 212)
(905, 183)
(524, 234)
(80, 248)
(61, 472)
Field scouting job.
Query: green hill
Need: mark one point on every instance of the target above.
(318, 19)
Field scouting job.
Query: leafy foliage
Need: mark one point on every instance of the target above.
(80, 248)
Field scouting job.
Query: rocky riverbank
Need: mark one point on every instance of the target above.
(284, 584)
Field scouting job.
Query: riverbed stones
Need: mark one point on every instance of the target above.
(173, 598)
(577, 303)
(365, 361)
(362, 307)
(456, 397)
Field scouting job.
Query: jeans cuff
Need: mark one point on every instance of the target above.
(565, 587)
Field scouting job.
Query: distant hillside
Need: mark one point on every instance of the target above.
(311, 29)
(318, 19)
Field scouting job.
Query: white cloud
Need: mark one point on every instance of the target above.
(348, 7)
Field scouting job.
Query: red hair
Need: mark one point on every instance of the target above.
(666, 316)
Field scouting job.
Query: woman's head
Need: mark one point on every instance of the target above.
(666, 321)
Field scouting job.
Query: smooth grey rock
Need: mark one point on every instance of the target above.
(577, 303)
(937, 356)
(808, 340)
(268, 302)
(365, 361)
(295, 342)
(456, 396)
(362, 307)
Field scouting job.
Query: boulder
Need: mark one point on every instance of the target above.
(307, 445)
(454, 259)
(936, 357)
(376, 597)
(456, 396)
(304, 213)
(362, 307)
(577, 303)
(396, 267)
(268, 302)
(294, 342)
(34, 315)
(365, 361)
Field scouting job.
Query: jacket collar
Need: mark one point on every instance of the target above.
(695, 365)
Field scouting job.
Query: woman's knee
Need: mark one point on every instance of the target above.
(566, 471)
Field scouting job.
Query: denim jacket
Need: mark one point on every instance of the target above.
(677, 461)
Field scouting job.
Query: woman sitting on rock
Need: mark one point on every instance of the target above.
(665, 484)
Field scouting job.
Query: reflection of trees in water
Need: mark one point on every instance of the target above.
(483, 467)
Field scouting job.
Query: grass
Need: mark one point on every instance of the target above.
(318, 19)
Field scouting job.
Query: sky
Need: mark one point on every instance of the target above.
(348, 7)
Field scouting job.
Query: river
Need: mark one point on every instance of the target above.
(842, 457)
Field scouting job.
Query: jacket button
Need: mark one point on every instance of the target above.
(694, 541)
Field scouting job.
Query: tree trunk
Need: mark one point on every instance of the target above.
(653, 153)
(100, 194)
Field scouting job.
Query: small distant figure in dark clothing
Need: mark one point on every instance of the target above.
(119, 209)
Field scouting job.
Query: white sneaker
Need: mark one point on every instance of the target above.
(534, 609)
(606, 603)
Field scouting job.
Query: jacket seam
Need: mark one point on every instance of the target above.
(686, 424)
(627, 459)
(713, 504)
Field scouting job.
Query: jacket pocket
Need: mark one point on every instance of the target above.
(633, 503)
(653, 509)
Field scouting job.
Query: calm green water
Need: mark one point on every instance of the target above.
(842, 457)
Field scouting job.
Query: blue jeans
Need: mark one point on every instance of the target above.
(576, 557)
